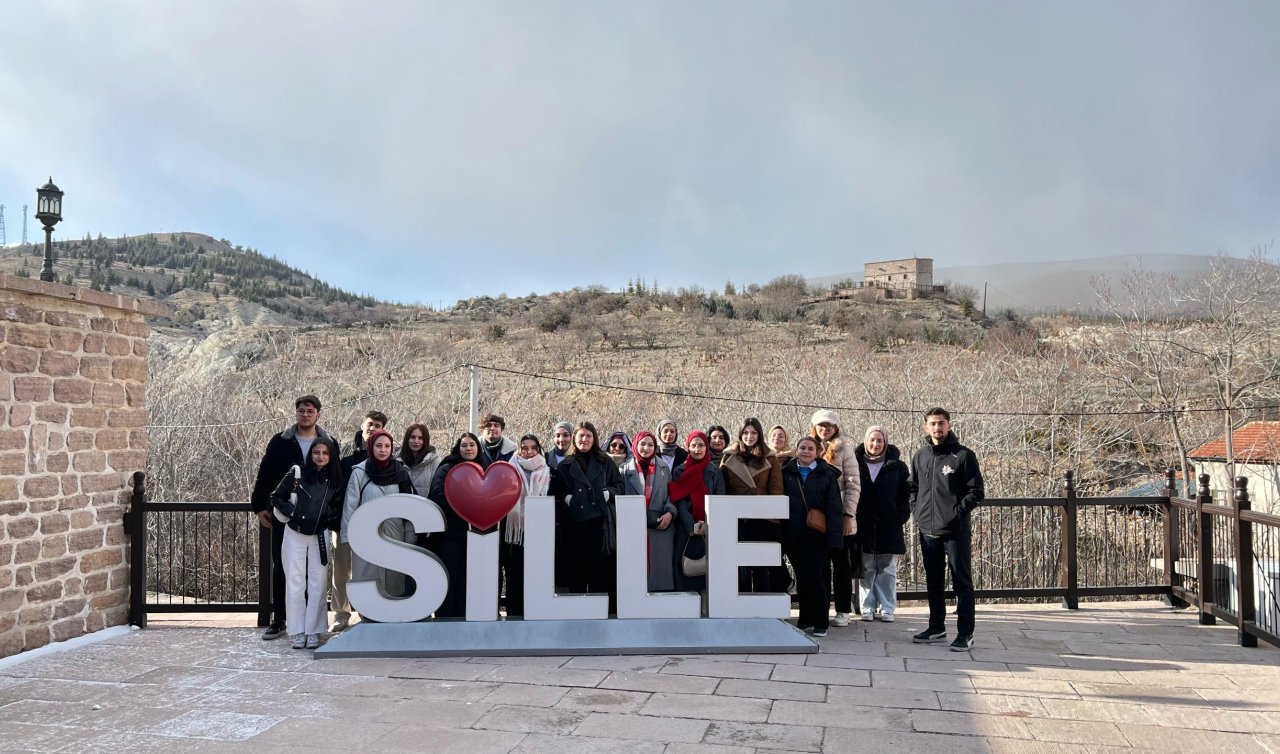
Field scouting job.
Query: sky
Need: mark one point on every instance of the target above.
(426, 152)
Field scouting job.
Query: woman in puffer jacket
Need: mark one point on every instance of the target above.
(419, 456)
(847, 564)
(308, 501)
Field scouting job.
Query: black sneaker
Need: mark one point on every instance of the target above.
(962, 644)
(819, 632)
(273, 632)
(929, 636)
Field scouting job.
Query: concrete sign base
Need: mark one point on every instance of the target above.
(516, 638)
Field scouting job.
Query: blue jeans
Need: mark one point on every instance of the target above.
(879, 583)
(940, 553)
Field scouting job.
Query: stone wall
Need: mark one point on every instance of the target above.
(72, 430)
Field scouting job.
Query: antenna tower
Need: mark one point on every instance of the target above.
(3, 240)
(24, 225)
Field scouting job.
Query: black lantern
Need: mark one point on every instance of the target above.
(48, 212)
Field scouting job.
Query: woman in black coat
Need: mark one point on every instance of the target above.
(883, 509)
(810, 482)
(586, 485)
(451, 544)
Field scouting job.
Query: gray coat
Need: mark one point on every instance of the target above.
(359, 491)
(662, 542)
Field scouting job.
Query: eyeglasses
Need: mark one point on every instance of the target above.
(307, 412)
(617, 446)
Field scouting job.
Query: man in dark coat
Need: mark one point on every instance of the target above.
(945, 486)
(284, 451)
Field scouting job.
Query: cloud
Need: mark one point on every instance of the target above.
(431, 151)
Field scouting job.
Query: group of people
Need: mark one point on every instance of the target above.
(849, 503)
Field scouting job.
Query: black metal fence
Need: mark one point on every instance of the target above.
(1222, 559)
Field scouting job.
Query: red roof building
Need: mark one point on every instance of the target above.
(1255, 442)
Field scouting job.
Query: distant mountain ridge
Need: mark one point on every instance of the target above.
(1049, 286)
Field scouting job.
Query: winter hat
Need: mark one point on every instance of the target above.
(824, 415)
(567, 426)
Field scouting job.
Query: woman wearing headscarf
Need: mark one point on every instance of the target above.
(646, 475)
(691, 482)
(883, 509)
(810, 483)
(587, 483)
(535, 478)
(618, 448)
(378, 475)
(780, 442)
(668, 449)
(451, 544)
(750, 467)
(717, 441)
(835, 451)
(419, 456)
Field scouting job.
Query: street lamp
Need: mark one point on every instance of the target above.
(48, 212)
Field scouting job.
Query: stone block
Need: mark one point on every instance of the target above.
(14, 312)
(140, 347)
(68, 341)
(16, 359)
(24, 575)
(57, 463)
(139, 439)
(52, 547)
(88, 417)
(83, 541)
(52, 413)
(68, 629)
(79, 439)
(54, 523)
(111, 439)
(70, 484)
(13, 439)
(94, 622)
(37, 445)
(27, 551)
(66, 319)
(13, 464)
(97, 561)
(34, 638)
(47, 570)
(32, 389)
(72, 390)
(133, 328)
(95, 583)
(135, 394)
(59, 364)
(106, 600)
(118, 345)
(11, 643)
(21, 528)
(102, 324)
(129, 368)
(46, 592)
(32, 337)
(116, 535)
(20, 414)
(95, 367)
(102, 482)
(108, 394)
(8, 491)
(127, 460)
(89, 460)
(94, 342)
(6, 394)
(11, 600)
(82, 519)
(127, 417)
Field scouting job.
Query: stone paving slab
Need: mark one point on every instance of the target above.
(1127, 676)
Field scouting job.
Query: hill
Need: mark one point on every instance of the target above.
(210, 283)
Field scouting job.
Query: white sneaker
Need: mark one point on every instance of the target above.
(841, 619)
(867, 615)
(886, 617)
(299, 641)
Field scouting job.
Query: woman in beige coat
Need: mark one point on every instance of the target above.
(750, 467)
(825, 427)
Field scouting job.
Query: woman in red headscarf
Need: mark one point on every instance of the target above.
(694, 479)
(378, 475)
(647, 475)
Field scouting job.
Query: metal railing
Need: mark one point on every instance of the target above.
(1224, 560)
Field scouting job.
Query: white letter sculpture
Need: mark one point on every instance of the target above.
(725, 554)
(424, 567)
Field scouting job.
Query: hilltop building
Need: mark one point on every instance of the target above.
(899, 274)
(1256, 447)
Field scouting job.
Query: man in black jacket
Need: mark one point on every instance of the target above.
(945, 486)
(285, 450)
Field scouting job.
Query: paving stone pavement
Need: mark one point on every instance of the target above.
(1133, 676)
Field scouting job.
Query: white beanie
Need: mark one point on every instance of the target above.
(824, 415)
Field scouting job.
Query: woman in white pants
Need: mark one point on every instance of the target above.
(308, 501)
(883, 509)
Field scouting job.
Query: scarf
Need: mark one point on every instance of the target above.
(664, 448)
(383, 473)
(537, 478)
(691, 484)
(645, 465)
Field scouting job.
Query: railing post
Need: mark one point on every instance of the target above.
(136, 527)
(1070, 574)
(1245, 596)
(1204, 556)
(1172, 542)
(264, 573)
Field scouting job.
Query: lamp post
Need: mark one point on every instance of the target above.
(48, 212)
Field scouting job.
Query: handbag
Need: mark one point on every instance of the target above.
(693, 561)
(813, 518)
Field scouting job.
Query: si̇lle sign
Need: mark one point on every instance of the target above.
(484, 496)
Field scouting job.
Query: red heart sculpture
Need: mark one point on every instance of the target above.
(482, 496)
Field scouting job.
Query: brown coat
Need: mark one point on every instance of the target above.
(762, 477)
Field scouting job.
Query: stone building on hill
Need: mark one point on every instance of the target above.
(899, 274)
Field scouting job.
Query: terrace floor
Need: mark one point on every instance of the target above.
(1126, 675)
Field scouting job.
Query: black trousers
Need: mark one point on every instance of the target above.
(759, 579)
(807, 551)
(511, 563)
(940, 553)
(589, 569)
(277, 572)
(839, 571)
